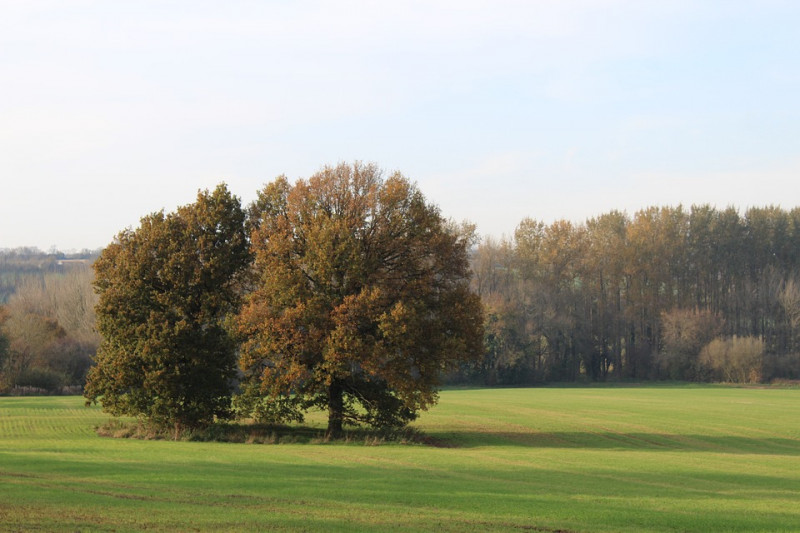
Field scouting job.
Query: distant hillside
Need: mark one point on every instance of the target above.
(21, 263)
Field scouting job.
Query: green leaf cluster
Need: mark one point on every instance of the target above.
(165, 292)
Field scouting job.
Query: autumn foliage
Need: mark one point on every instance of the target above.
(356, 300)
(639, 297)
(362, 299)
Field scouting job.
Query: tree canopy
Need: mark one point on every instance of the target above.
(358, 297)
(165, 290)
(638, 297)
(362, 299)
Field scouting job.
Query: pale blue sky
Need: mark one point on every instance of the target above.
(499, 110)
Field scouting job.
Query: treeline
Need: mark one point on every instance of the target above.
(18, 264)
(47, 330)
(699, 294)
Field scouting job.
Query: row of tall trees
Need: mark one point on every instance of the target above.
(347, 291)
(643, 297)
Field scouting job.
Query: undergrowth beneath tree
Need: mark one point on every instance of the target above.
(253, 433)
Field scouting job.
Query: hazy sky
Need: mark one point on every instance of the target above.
(499, 110)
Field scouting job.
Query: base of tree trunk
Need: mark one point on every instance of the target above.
(335, 410)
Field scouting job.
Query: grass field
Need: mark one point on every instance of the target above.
(560, 459)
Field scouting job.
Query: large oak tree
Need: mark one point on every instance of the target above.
(362, 300)
(165, 290)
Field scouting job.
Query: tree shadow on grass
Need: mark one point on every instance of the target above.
(630, 441)
(248, 433)
(254, 433)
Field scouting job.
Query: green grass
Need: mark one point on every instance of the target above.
(561, 459)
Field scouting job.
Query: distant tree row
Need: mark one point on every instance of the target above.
(47, 330)
(19, 264)
(698, 294)
(347, 291)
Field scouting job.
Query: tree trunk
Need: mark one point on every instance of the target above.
(335, 410)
